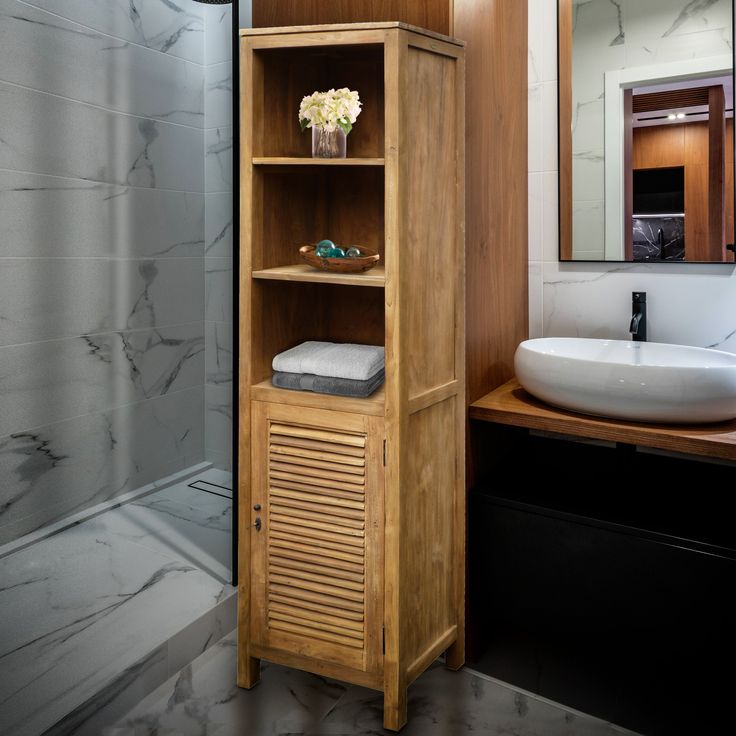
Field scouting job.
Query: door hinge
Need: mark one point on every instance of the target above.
(383, 639)
(384, 453)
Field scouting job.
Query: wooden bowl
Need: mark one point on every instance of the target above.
(354, 264)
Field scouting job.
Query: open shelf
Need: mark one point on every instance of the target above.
(373, 405)
(304, 161)
(302, 272)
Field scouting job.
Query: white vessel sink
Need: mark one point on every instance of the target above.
(641, 381)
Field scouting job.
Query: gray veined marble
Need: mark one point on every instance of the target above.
(218, 159)
(45, 382)
(43, 299)
(218, 96)
(218, 45)
(54, 471)
(86, 612)
(98, 69)
(219, 353)
(49, 216)
(218, 289)
(219, 424)
(218, 230)
(175, 27)
(46, 134)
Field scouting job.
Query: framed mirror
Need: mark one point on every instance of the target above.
(646, 142)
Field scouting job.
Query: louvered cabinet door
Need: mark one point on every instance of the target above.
(317, 561)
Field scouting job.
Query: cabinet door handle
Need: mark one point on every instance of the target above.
(257, 525)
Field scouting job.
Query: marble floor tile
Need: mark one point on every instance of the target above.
(219, 477)
(108, 221)
(182, 522)
(99, 70)
(81, 607)
(203, 699)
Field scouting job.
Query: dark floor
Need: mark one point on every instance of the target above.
(203, 700)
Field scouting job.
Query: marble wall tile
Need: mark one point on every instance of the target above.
(688, 304)
(48, 216)
(118, 75)
(218, 37)
(550, 216)
(43, 299)
(175, 27)
(46, 134)
(218, 420)
(218, 353)
(219, 289)
(56, 470)
(218, 230)
(218, 159)
(45, 382)
(84, 598)
(218, 95)
(536, 311)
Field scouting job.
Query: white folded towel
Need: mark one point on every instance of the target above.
(333, 360)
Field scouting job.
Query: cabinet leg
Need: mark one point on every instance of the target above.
(249, 672)
(394, 708)
(455, 655)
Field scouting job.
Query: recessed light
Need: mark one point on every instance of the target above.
(672, 116)
(680, 115)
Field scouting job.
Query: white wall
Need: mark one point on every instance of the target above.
(689, 304)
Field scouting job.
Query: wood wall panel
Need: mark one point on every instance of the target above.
(686, 144)
(435, 15)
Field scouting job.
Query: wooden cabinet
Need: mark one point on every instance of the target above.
(352, 523)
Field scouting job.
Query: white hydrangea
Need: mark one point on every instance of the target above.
(330, 110)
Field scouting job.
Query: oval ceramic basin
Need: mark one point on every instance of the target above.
(641, 381)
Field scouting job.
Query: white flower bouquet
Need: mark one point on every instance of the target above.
(328, 111)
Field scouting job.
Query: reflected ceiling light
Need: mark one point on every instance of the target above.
(672, 116)
(680, 115)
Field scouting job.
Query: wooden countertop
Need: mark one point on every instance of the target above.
(510, 404)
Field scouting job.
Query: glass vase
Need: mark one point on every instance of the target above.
(329, 144)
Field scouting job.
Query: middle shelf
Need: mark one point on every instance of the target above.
(302, 272)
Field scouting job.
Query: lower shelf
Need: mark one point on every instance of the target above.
(373, 405)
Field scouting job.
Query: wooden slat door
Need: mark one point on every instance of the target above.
(317, 567)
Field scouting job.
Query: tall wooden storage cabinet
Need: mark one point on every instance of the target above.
(352, 521)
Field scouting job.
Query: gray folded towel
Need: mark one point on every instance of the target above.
(327, 385)
(332, 360)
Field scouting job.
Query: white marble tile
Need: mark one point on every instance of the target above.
(97, 69)
(48, 216)
(218, 289)
(42, 383)
(549, 127)
(218, 96)
(687, 304)
(182, 522)
(542, 44)
(44, 299)
(57, 470)
(588, 176)
(218, 477)
(218, 353)
(218, 160)
(220, 459)
(536, 126)
(588, 227)
(550, 216)
(535, 214)
(536, 314)
(218, 230)
(85, 616)
(45, 134)
(218, 420)
(175, 27)
(218, 34)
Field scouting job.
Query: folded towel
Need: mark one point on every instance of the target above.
(332, 360)
(327, 385)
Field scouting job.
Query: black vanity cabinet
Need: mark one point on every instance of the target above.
(613, 595)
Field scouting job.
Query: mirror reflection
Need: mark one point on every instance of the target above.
(646, 130)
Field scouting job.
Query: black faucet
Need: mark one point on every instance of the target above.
(638, 326)
(660, 243)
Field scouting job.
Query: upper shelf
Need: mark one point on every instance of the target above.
(309, 161)
(301, 272)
